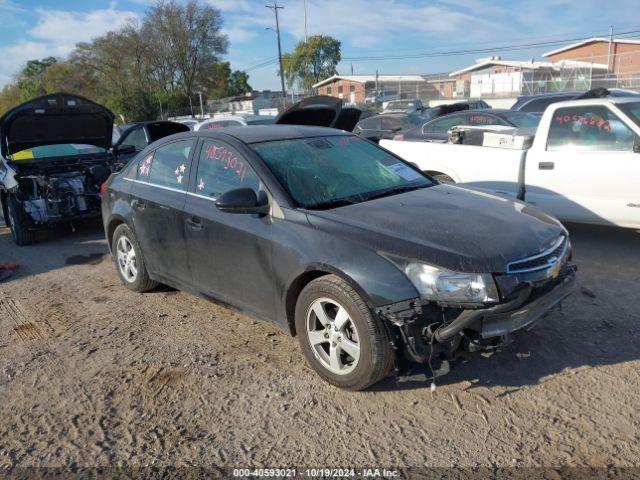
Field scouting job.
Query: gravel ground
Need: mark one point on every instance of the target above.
(92, 374)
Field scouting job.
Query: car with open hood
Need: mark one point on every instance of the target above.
(54, 159)
(366, 259)
(136, 136)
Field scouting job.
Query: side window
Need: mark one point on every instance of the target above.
(136, 138)
(588, 128)
(442, 125)
(168, 166)
(221, 168)
(389, 123)
(482, 119)
(369, 123)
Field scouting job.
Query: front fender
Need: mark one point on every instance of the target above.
(299, 248)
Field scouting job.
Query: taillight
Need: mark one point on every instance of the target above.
(398, 136)
(103, 189)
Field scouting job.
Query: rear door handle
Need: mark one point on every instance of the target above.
(138, 205)
(195, 223)
(546, 165)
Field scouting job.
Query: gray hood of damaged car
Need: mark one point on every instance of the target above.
(446, 226)
(59, 118)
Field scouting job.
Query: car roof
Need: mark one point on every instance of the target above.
(597, 101)
(547, 95)
(264, 133)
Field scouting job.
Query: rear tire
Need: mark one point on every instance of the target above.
(15, 215)
(340, 337)
(127, 257)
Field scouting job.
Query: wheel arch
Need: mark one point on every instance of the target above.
(311, 273)
(114, 223)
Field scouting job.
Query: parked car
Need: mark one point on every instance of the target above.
(447, 108)
(190, 122)
(582, 166)
(335, 240)
(234, 121)
(387, 125)
(53, 160)
(136, 136)
(404, 106)
(536, 104)
(436, 129)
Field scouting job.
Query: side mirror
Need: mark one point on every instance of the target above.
(241, 200)
(636, 145)
(125, 149)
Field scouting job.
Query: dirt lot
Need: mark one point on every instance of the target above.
(93, 374)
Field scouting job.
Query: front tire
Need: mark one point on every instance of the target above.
(21, 234)
(340, 338)
(129, 263)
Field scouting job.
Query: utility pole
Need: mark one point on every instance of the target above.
(201, 107)
(610, 45)
(275, 7)
(306, 38)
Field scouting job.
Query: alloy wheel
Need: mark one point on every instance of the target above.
(127, 262)
(333, 336)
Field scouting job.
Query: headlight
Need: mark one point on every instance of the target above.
(439, 284)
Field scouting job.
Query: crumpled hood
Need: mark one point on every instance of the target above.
(448, 226)
(59, 118)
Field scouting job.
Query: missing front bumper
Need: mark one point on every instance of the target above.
(495, 325)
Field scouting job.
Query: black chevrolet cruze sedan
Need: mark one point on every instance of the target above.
(366, 259)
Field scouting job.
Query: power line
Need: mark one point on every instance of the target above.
(502, 48)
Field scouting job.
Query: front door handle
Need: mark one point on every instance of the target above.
(195, 223)
(138, 205)
(546, 165)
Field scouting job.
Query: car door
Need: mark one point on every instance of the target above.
(229, 254)
(157, 202)
(588, 171)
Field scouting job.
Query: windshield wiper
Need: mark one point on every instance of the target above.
(338, 202)
(392, 191)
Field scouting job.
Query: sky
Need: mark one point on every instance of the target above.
(367, 28)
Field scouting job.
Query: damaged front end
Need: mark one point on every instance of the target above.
(48, 197)
(528, 292)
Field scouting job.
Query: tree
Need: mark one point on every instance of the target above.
(312, 61)
(9, 97)
(239, 83)
(161, 62)
(30, 78)
(193, 40)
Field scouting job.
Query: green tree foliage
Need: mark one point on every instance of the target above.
(30, 78)
(221, 82)
(161, 62)
(312, 61)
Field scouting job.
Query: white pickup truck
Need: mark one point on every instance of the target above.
(583, 165)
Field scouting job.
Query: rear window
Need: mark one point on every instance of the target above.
(522, 120)
(540, 104)
(161, 130)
